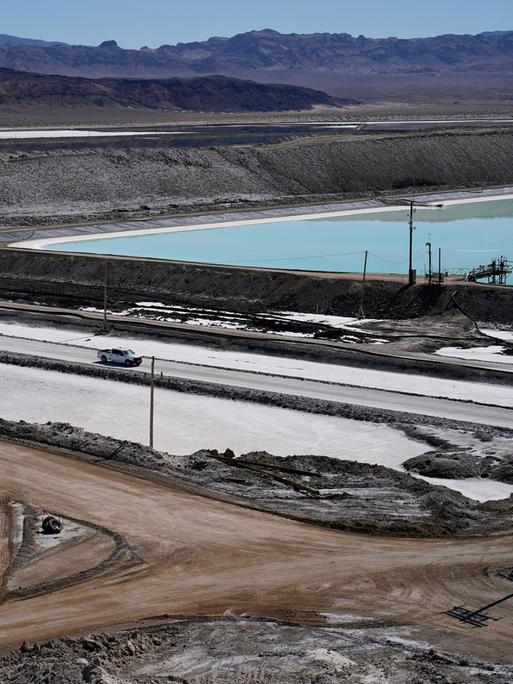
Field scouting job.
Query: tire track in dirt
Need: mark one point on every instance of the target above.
(5, 544)
(205, 557)
(120, 556)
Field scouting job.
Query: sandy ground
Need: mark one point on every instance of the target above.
(187, 423)
(201, 556)
(63, 560)
(5, 536)
(492, 353)
(106, 116)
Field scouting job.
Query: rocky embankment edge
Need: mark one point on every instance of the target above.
(344, 495)
(360, 649)
(76, 280)
(56, 186)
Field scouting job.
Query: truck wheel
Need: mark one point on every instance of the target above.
(104, 359)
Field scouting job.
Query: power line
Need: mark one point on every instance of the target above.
(404, 261)
(313, 256)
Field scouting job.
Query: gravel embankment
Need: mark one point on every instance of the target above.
(341, 494)
(261, 651)
(77, 280)
(62, 185)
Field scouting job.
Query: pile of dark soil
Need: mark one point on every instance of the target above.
(75, 281)
(339, 494)
(55, 186)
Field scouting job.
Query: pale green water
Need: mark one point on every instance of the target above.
(469, 235)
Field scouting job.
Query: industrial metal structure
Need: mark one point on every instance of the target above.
(496, 272)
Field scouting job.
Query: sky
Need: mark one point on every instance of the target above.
(134, 23)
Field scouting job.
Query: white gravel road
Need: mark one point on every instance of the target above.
(360, 386)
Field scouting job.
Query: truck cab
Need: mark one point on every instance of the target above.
(120, 357)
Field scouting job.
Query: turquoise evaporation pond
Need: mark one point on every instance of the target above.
(469, 234)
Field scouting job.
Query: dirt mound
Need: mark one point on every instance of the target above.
(345, 495)
(44, 186)
(475, 454)
(245, 650)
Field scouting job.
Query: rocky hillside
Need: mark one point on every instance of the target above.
(207, 94)
(479, 65)
(61, 185)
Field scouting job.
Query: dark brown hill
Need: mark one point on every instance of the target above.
(207, 94)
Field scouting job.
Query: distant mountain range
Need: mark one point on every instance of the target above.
(9, 41)
(368, 68)
(206, 94)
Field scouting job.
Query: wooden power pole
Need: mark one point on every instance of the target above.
(105, 294)
(412, 276)
(430, 266)
(361, 313)
(152, 399)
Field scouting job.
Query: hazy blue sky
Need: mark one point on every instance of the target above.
(134, 23)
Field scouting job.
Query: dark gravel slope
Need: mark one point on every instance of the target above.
(42, 186)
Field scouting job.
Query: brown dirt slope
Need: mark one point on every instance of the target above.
(204, 557)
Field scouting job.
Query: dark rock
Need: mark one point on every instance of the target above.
(502, 472)
(457, 466)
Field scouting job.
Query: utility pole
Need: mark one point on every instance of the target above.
(105, 287)
(439, 265)
(361, 313)
(430, 269)
(412, 274)
(152, 399)
(412, 277)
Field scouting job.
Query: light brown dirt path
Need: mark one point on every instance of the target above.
(5, 536)
(63, 561)
(202, 556)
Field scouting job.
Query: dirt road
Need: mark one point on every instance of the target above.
(204, 557)
(444, 398)
(288, 346)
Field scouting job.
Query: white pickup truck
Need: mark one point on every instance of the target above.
(121, 357)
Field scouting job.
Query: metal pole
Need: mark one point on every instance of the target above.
(152, 399)
(439, 265)
(491, 605)
(411, 277)
(361, 313)
(105, 286)
(430, 269)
